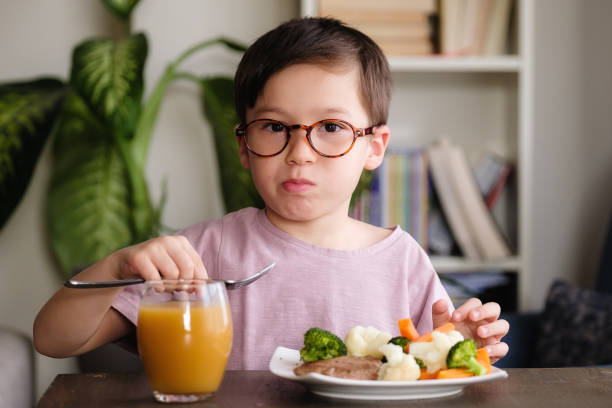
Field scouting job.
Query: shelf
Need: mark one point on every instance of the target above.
(441, 63)
(450, 264)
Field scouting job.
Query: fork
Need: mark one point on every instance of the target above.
(229, 284)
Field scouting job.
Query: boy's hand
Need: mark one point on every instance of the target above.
(168, 257)
(476, 321)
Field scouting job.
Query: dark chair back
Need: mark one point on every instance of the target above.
(604, 274)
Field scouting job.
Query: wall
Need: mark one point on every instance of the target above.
(572, 199)
(36, 37)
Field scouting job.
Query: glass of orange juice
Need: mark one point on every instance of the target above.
(184, 338)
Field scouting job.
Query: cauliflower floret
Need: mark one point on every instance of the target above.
(365, 341)
(433, 354)
(399, 366)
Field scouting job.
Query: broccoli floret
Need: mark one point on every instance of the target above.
(420, 362)
(463, 355)
(320, 344)
(400, 341)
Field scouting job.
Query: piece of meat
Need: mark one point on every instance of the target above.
(357, 368)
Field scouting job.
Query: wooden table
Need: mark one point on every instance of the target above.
(533, 387)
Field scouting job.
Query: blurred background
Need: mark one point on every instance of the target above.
(546, 112)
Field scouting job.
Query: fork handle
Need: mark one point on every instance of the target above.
(71, 283)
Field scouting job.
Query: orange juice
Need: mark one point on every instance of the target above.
(184, 345)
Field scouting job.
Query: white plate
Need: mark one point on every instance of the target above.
(285, 360)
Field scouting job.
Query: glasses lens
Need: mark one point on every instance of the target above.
(332, 137)
(266, 137)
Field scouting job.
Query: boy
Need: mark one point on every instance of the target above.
(332, 271)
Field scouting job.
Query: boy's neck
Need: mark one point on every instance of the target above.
(334, 231)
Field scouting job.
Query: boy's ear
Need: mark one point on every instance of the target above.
(378, 145)
(243, 152)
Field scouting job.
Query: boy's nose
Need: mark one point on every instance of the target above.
(299, 150)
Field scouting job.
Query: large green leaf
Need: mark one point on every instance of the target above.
(108, 75)
(122, 8)
(27, 113)
(236, 182)
(89, 209)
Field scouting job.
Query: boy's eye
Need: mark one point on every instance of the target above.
(331, 127)
(274, 127)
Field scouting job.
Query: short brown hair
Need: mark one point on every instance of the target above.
(317, 41)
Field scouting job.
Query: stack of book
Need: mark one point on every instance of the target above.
(475, 27)
(399, 27)
(434, 195)
(471, 222)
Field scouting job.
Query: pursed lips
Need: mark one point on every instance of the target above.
(297, 185)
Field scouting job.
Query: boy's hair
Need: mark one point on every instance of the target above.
(323, 41)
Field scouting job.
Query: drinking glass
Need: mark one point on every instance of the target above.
(184, 338)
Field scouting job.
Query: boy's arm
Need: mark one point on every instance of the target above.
(75, 321)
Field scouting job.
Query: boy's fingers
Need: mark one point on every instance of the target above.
(439, 313)
(495, 330)
(182, 258)
(497, 351)
(165, 264)
(144, 267)
(462, 311)
(199, 271)
(489, 311)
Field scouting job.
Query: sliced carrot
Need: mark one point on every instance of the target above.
(428, 376)
(407, 329)
(453, 373)
(445, 328)
(482, 356)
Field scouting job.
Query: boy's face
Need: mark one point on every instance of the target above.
(299, 184)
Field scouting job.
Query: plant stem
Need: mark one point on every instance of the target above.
(195, 48)
(135, 151)
(189, 76)
(146, 122)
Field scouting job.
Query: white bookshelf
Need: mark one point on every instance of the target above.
(506, 63)
(481, 103)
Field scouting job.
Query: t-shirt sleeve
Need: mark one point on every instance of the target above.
(434, 292)
(427, 292)
(128, 301)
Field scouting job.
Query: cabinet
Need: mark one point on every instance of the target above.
(481, 103)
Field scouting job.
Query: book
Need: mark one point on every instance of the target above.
(399, 27)
(428, 6)
(475, 27)
(376, 204)
(421, 47)
(451, 25)
(400, 191)
(485, 234)
(491, 173)
(448, 192)
(394, 30)
(498, 24)
(475, 17)
(353, 16)
(440, 239)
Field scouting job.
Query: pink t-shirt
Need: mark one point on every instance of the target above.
(310, 286)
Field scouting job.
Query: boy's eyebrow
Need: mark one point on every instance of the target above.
(329, 111)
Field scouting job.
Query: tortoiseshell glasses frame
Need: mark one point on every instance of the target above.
(282, 139)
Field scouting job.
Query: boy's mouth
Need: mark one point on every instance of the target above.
(297, 185)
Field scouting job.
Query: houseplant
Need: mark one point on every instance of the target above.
(100, 128)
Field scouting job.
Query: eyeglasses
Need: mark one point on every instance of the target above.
(328, 137)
